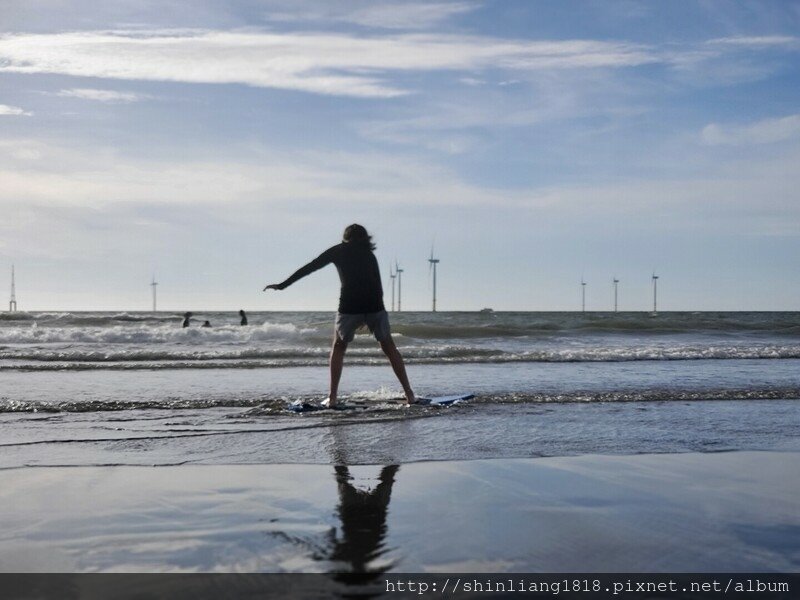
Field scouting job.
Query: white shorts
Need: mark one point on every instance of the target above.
(376, 322)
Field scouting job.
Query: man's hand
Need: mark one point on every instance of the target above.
(273, 286)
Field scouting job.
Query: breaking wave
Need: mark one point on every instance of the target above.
(458, 325)
(154, 334)
(88, 357)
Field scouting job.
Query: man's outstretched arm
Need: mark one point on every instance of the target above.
(316, 264)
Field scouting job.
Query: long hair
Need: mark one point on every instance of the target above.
(357, 234)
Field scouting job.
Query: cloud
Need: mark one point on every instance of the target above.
(409, 16)
(767, 131)
(335, 64)
(102, 95)
(6, 110)
(473, 81)
(25, 154)
(76, 199)
(406, 15)
(721, 199)
(65, 175)
(420, 134)
(96, 178)
(731, 60)
(15, 149)
(766, 41)
(481, 113)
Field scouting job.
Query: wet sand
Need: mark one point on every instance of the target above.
(734, 511)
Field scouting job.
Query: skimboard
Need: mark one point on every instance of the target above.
(445, 400)
(304, 406)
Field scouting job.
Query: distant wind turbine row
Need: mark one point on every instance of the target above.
(397, 273)
(615, 282)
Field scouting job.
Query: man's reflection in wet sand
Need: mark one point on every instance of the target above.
(361, 538)
(357, 544)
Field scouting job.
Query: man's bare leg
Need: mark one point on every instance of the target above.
(337, 361)
(396, 360)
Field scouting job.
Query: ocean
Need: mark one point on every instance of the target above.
(102, 388)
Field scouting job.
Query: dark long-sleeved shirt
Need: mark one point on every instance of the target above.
(361, 291)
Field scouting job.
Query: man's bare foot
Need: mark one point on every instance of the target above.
(329, 402)
(411, 399)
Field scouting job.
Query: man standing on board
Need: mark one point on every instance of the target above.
(360, 303)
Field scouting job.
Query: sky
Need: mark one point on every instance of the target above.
(219, 146)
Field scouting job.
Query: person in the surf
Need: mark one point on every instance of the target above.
(206, 324)
(244, 317)
(360, 304)
(186, 318)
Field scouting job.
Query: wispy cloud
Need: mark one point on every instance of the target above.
(321, 63)
(101, 177)
(102, 95)
(765, 41)
(482, 111)
(405, 15)
(408, 132)
(766, 131)
(721, 199)
(12, 111)
(730, 60)
(417, 15)
(332, 63)
(473, 81)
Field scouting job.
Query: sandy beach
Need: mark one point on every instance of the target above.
(733, 511)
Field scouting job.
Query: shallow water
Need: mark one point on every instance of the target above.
(136, 388)
(391, 434)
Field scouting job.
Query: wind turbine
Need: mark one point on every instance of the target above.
(399, 272)
(12, 303)
(392, 276)
(616, 281)
(153, 285)
(583, 295)
(655, 293)
(433, 262)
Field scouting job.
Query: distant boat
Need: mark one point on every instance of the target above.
(486, 310)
